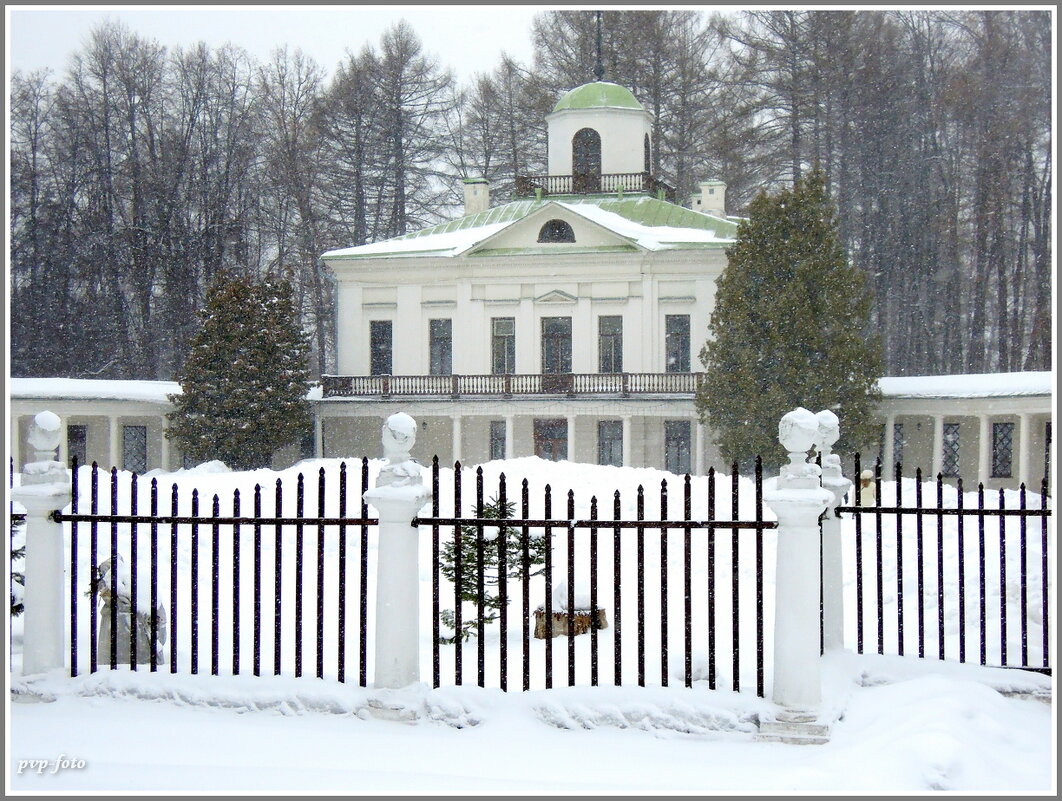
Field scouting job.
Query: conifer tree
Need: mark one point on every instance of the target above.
(245, 378)
(789, 329)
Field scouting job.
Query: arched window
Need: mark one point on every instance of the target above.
(586, 160)
(648, 160)
(556, 231)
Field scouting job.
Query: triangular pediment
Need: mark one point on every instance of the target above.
(556, 296)
(522, 236)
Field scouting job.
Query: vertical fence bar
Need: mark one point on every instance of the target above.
(154, 657)
(435, 567)
(503, 598)
(1043, 573)
(547, 515)
(299, 510)
(1002, 585)
(363, 590)
(458, 578)
(711, 578)
(73, 567)
(982, 581)
(940, 566)
(320, 572)
(526, 572)
(93, 568)
(235, 585)
(132, 571)
(341, 578)
(663, 586)
(641, 588)
(114, 570)
(593, 592)
(480, 644)
(859, 555)
(878, 560)
(617, 610)
(687, 584)
(193, 606)
(899, 558)
(215, 535)
(962, 576)
(571, 588)
(1024, 580)
(919, 552)
(735, 598)
(759, 580)
(278, 505)
(173, 581)
(257, 644)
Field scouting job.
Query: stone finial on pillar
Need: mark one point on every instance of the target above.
(798, 500)
(832, 565)
(398, 496)
(45, 488)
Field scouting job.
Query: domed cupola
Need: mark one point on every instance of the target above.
(598, 129)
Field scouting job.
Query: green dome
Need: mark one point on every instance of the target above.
(599, 94)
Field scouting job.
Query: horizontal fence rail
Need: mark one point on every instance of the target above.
(961, 595)
(616, 606)
(590, 183)
(156, 609)
(456, 386)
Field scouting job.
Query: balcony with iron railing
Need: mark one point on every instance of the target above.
(592, 184)
(622, 385)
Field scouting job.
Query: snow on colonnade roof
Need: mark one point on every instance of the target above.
(972, 385)
(103, 389)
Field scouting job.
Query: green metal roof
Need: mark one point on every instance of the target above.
(599, 94)
(640, 209)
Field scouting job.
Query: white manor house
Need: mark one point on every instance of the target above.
(566, 324)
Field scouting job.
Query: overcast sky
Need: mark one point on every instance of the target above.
(468, 38)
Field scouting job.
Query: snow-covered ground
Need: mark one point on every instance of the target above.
(898, 724)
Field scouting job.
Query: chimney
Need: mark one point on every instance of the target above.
(712, 199)
(477, 195)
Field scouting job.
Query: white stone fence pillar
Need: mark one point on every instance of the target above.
(398, 496)
(45, 488)
(798, 500)
(832, 563)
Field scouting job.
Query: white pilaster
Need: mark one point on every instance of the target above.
(938, 445)
(889, 467)
(571, 438)
(984, 449)
(115, 443)
(1022, 451)
(698, 448)
(509, 446)
(626, 440)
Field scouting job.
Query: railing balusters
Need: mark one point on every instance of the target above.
(735, 599)
(663, 586)
(940, 566)
(593, 593)
(193, 609)
(341, 577)
(215, 533)
(458, 576)
(93, 571)
(547, 515)
(711, 579)
(173, 582)
(1044, 593)
(1024, 580)
(236, 585)
(962, 575)
(278, 504)
(1002, 586)
(878, 560)
(503, 597)
(859, 554)
(571, 589)
(154, 657)
(480, 644)
(257, 643)
(899, 558)
(919, 551)
(73, 565)
(320, 572)
(435, 567)
(687, 583)
(132, 572)
(363, 590)
(114, 571)
(759, 578)
(982, 572)
(617, 611)
(641, 588)
(299, 509)
(525, 513)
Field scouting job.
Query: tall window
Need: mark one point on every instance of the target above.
(586, 160)
(897, 444)
(950, 462)
(380, 347)
(647, 154)
(556, 344)
(610, 344)
(134, 448)
(497, 439)
(556, 231)
(503, 345)
(440, 345)
(551, 439)
(677, 446)
(77, 444)
(610, 442)
(677, 343)
(1002, 449)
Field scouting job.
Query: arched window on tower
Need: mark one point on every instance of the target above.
(586, 161)
(648, 153)
(556, 231)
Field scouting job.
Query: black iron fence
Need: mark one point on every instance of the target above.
(957, 583)
(172, 587)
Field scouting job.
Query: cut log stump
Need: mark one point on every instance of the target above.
(582, 621)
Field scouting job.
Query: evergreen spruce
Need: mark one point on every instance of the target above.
(789, 329)
(245, 378)
(493, 539)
